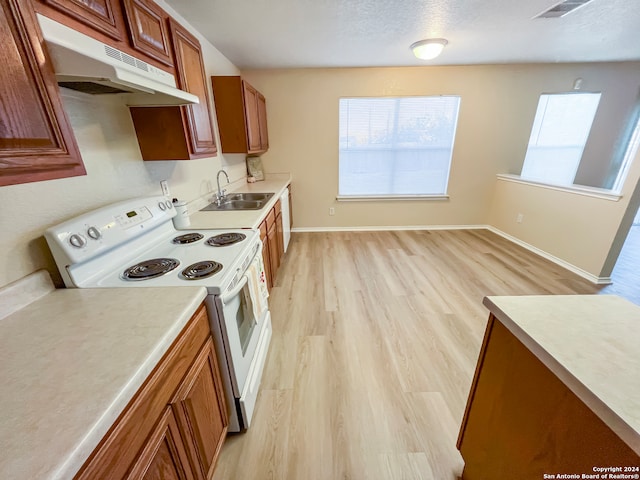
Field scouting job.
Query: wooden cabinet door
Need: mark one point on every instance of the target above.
(98, 14)
(274, 257)
(148, 29)
(262, 121)
(266, 259)
(201, 411)
(280, 237)
(164, 456)
(279, 233)
(251, 117)
(191, 77)
(36, 139)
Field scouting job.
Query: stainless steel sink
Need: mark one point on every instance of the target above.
(249, 196)
(240, 201)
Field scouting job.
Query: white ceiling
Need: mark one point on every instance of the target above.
(358, 33)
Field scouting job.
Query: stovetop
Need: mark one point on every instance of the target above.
(229, 259)
(97, 248)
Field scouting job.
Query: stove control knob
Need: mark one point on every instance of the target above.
(77, 240)
(169, 205)
(94, 233)
(162, 206)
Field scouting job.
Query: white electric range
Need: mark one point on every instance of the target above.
(135, 244)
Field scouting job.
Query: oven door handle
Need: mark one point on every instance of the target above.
(233, 293)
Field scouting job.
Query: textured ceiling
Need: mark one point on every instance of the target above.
(360, 33)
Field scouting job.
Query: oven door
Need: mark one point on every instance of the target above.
(243, 318)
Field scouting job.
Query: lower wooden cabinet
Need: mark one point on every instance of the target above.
(522, 421)
(175, 425)
(201, 412)
(272, 236)
(279, 232)
(163, 456)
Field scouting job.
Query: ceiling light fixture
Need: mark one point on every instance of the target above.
(428, 49)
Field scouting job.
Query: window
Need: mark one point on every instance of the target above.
(396, 146)
(560, 131)
(629, 154)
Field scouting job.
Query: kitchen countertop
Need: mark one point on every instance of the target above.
(274, 182)
(591, 343)
(70, 361)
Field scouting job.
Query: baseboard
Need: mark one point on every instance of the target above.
(387, 228)
(558, 261)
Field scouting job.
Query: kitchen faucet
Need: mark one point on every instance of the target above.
(221, 192)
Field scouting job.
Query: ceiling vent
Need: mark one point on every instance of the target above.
(563, 8)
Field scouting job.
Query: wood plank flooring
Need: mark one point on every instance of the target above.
(375, 341)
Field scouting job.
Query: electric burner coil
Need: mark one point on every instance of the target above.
(225, 239)
(202, 269)
(148, 269)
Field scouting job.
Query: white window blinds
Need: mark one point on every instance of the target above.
(396, 146)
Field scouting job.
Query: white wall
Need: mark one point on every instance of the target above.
(115, 171)
(496, 113)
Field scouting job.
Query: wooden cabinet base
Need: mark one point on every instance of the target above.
(522, 422)
(175, 425)
(164, 456)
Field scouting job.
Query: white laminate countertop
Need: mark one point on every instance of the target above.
(274, 182)
(70, 361)
(591, 343)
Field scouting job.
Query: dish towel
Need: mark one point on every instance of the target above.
(257, 281)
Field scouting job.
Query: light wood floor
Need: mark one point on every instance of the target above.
(375, 340)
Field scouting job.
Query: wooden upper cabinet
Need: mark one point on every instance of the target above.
(242, 115)
(191, 77)
(36, 139)
(262, 121)
(179, 133)
(100, 15)
(148, 30)
(251, 117)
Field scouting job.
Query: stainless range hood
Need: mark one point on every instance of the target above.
(85, 64)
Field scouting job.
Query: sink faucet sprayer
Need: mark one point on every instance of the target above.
(221, 192)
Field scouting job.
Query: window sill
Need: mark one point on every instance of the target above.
(575, 189)
(367, 198)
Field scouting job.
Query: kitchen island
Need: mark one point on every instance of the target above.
(71, 360)
(556, 390)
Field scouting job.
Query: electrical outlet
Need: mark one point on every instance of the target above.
(164, 185)
(519, 218)
(332, 211)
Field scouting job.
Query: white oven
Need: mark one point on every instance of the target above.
(134, 244)
(245, 326)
